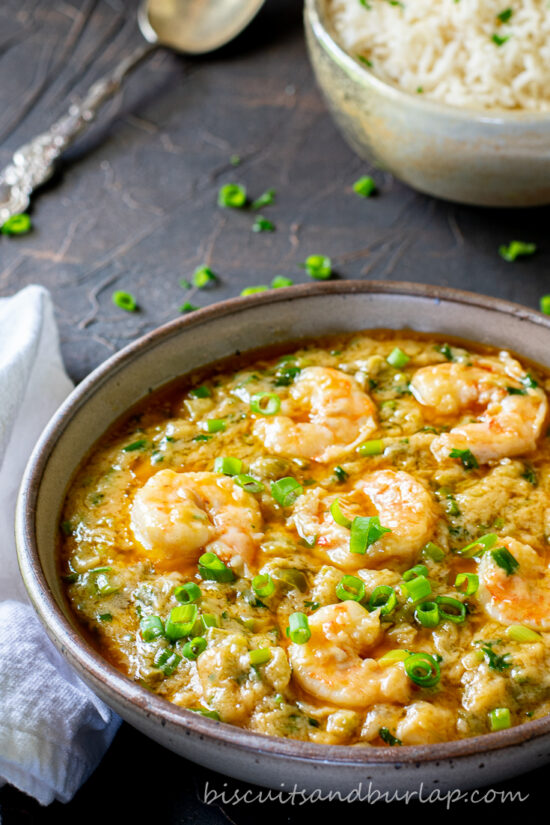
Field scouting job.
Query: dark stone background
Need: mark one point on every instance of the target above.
(133, 206)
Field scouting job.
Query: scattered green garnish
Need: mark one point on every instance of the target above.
(280, 281)
(365, 186)
(505, 560)
(505, 15)
(135, 445)
(545, 304)
(253, 290)
(516, 249)
(203, 276)
(232, 195)
(262, 224)
(318, 267)
(500, 40)
(264, 200)
(17, 225)
(388, 737)
(125, 301)
(468, 459)
(187, 307)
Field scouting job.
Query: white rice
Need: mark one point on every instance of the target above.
(444, 49)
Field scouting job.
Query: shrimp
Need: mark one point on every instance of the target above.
(400, 501)
(331, 665)
(508, 423)
(177, 516)
(519, 597)
(326, 415)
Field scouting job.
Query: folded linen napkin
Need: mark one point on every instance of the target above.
(53, 730)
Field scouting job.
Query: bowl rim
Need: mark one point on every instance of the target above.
(491, 118)
(121, 688)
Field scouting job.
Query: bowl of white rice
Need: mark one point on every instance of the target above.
(451, 96)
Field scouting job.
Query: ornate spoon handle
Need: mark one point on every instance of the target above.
(33, 163)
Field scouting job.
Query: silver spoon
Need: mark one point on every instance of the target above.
(188, 26)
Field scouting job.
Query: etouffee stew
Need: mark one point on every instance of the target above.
(345, 544)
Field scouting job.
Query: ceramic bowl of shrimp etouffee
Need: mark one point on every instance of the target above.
(311, 551)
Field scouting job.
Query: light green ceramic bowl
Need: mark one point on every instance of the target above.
(474, 157)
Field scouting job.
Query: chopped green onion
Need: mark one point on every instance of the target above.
(262, 224)
(499, 719)
(383, 597)
(365, 186)
(194, 647)
(263, 586)
(505, 560)
(545, 304)
(135, 445)
(216, 425)
(495, 662)
(209, 714)
(16, 225)
(265, 403)
(433, 551)
(397, 358)
(209, 620)
(414, 572)
(264, 200)
(365, 530)
(201, 392)
(181, 621)
(211, 567)
(167, 661)
(228, 465)
(387, 736)
(298, 628)
(451, 610)
(187, 593)
(202, 437)
(505, 15)
(188, 307)
(515, 248)
(468, 459)
(125, 301)
(392, 657)
(260, 656)
(248, 483)
(253, 290)
(151, 628)
(338, 516)
(373, 447)
(286, 490)
(318, 267)
(500, 41)
(529, 382)
(340, 474)
(350, 588)
(422, 669)
(427, 614)
(235, 160)
(102, 582)
(232, 195)
(286, 376)
(203, 276)
(280, 281)
(479, 546)
(471, 580)
(418, 588)
(105, 617)
(520, 633)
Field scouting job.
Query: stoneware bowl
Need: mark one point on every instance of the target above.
(186, 344)
(477, 157)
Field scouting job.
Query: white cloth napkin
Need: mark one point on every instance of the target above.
(53, 730)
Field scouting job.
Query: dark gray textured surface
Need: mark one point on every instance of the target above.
(134, 207)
